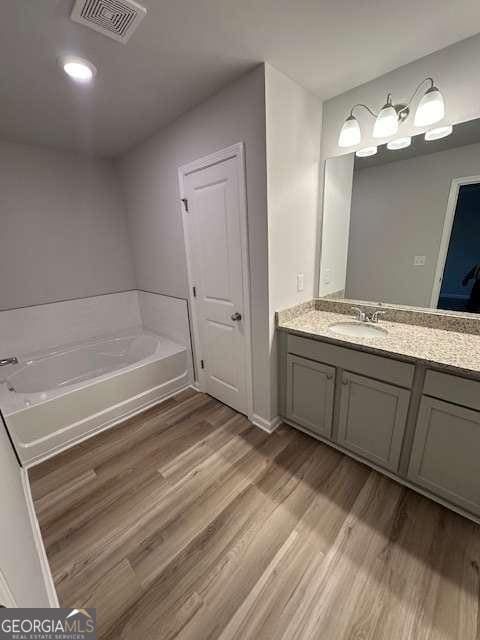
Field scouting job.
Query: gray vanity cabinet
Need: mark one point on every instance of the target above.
(422, 426)
(372, 419)
(446, 452)
(310, 394)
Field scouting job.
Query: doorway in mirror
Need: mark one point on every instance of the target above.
(460, 280)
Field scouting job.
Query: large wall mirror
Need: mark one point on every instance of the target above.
(403, 226)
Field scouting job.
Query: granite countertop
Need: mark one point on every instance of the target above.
(437, 347)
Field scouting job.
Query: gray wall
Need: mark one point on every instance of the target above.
(398, 212)
(150, 179)
(63, 227)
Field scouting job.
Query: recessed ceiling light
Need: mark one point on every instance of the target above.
(78, 69)
(439, 132)
(368, 151)
(399, 143)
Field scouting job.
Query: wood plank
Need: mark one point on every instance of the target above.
(108, 444)
(113, 592)
(220, 543)
(187, 522)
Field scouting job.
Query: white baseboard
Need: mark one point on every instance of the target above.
(266, 425)
(37, 536)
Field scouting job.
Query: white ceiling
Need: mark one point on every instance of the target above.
(185, 50)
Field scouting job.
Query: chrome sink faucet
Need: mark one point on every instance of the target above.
(9, 360)
(366, 316)
(373, 317)
(360, 314)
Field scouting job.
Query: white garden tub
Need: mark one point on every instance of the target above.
(56, 398)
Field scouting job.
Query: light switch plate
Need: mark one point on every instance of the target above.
(419, 261)
(300, 281)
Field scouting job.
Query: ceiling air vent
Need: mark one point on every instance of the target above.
(116, 19)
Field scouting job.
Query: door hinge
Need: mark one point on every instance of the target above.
(194, 292)
(202, 364)
(185, 204)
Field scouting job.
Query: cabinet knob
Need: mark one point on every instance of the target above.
(345, 381)
(329, 376)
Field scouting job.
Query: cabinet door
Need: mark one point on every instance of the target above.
(446, 453)
(310, 391)
(372, 419)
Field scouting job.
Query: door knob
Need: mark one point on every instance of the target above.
(236, 317)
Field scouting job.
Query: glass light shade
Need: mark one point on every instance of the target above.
(399, 143)
(431, 108)
(439, 132)
(350, 134)
(78, 69)
(386, 123)
(368, 151)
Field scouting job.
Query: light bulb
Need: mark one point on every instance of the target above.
(78, 69)
(438, 132)
(399, 143)
(368, 151)
(386, 123)
(431, 108)
(350, 134)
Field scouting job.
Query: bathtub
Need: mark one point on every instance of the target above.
(55, 399)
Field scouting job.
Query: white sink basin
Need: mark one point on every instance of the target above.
(358, 329)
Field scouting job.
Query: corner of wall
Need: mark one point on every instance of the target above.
(293, 138)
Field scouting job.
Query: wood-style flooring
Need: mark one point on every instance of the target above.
(187, 522)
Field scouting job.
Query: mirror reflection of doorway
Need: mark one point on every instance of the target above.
(460, 282)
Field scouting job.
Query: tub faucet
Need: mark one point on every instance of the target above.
(9, 360)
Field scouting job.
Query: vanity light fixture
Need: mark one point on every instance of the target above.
(78, 69)
(438, 132)
(350, 134)
(368, 151)
(386, 123)
(399, 143)
(430, 109)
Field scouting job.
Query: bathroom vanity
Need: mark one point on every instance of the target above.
(406, 402)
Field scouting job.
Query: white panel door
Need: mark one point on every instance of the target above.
(214, 229)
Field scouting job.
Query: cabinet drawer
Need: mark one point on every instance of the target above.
(310, 392)
(453, 389)
(394, 371)
(445, 455)
(372, 420)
